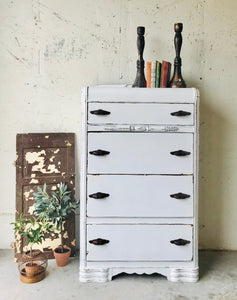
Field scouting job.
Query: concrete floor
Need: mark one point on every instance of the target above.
(218, 280)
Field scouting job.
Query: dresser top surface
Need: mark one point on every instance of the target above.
(119, 93)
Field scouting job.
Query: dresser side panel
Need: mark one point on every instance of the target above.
(83, 171)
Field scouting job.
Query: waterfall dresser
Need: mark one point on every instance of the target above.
(139, 183)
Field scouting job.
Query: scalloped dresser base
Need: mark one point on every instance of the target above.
(172, 274)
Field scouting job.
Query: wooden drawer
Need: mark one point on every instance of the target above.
(140, 113)
(139, 196)
(140, 153)
(139, 243)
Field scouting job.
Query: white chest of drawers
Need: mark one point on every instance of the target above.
(139, 183)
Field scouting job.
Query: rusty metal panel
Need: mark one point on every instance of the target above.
(44, 158)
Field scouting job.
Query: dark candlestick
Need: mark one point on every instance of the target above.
(140, 80)
(177, 79)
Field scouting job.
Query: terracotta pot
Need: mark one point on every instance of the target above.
(61, 258)
(32, 268)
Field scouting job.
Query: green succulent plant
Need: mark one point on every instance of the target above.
(34, 229)
(55, 207)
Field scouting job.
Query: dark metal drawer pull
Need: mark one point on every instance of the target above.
(180, 196)
(100, 112)
(180, 113)
(99, 242)
(180, 242)
(99, 195)
(99, 152)
(180, 153)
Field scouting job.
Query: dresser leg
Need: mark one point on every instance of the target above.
(183, 275)
(94, 275)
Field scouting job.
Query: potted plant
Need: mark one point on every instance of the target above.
(56, 208)
(35, 230)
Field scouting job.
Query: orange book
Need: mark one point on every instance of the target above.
(148, 74)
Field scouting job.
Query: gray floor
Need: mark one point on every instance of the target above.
(218, 280)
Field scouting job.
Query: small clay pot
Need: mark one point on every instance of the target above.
(62, 258)
(32, 268)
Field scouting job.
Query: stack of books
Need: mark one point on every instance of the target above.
(157, 74)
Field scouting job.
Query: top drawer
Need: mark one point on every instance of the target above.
(141, 113)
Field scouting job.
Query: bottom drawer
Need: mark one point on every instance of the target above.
(139, 242)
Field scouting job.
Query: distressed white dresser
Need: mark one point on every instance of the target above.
(139, 183)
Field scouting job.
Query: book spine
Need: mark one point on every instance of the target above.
(148, 74)
(165, 74)
(163, 71)
(168, 75)
(153, 74)
(158, 70)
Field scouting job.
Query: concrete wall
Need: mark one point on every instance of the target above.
(51, 49)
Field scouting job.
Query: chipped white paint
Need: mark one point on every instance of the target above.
(31, 209)
(32, 157)
(26, 248)
(51, 242)
(17, 243)
(48, 242)
(56, 151)
(65, 235)
(42, 63)
(32, 175)
(47, 136)
(53, 188)
(68, 144)
(39, 157)
(27, 195)
(73, 243)
(51, 169)
(34, 181)
(52, 158)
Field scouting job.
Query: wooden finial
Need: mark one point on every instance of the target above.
(140, 80)
(177, 79)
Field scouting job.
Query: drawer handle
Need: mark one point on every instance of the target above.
(99, 242)
(100, 112)
(99, 195)
(180, 153)
(180, 196)
(99, 152)
(180, 242)
(180, 113)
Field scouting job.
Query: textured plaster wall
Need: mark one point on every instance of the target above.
(50, 49)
